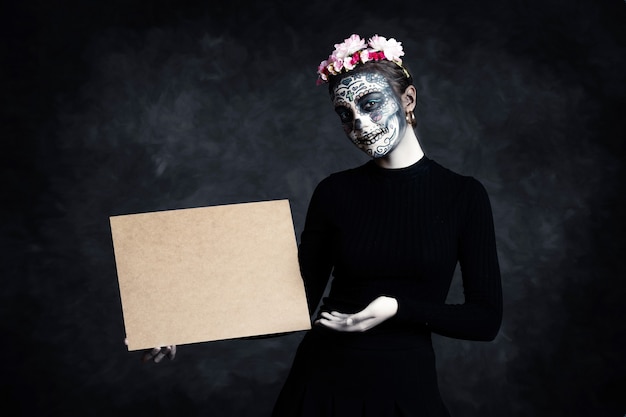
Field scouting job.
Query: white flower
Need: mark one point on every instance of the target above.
(393, 50)
(347, 63)
(377, 43)
(349, 46)
(365, 55)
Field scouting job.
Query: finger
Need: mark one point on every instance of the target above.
(160, 355)
(322, 322)
(329, 316)
(359, 324)
(330, 324)
(353, 319)
(354, 323)
(326, 315)
(359, 317)
(172, 353)
(150, 354)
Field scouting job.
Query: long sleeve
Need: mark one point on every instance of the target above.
(480, 316)
(314, 252)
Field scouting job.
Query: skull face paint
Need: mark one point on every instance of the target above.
(370, 112)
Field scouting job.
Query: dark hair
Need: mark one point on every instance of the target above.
(395, 74)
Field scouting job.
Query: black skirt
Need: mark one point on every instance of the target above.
(362, 375)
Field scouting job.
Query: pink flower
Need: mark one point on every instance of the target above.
(322, 67)
(355, 58)
(350, 62)
(336, 64)
(349, 46)
(376, 55)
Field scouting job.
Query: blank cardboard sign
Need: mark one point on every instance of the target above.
(209, 273)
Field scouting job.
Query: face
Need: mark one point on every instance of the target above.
(370, 112)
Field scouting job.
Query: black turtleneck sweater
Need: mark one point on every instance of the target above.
(401, 233)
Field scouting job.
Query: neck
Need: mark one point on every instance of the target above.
(405, 154)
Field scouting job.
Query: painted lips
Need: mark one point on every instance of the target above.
(371, 137)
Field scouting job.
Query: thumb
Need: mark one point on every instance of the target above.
(359, 317)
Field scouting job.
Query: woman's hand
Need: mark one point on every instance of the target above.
(375, 313)
(158, 353)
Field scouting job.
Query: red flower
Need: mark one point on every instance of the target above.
(356, 57)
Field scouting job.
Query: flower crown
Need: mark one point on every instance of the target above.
(354, 51)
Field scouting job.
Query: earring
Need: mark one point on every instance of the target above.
(410, 118)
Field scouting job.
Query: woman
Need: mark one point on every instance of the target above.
(391, 232)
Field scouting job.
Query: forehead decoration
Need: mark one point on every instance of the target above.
(352, 87)
(354, 50)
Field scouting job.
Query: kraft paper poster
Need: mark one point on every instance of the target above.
(208, 273)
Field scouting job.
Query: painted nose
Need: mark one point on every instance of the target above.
(357, 124)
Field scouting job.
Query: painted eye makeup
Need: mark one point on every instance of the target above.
(344, 114)
(371, 101)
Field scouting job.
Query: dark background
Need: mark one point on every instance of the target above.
(126, 106)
